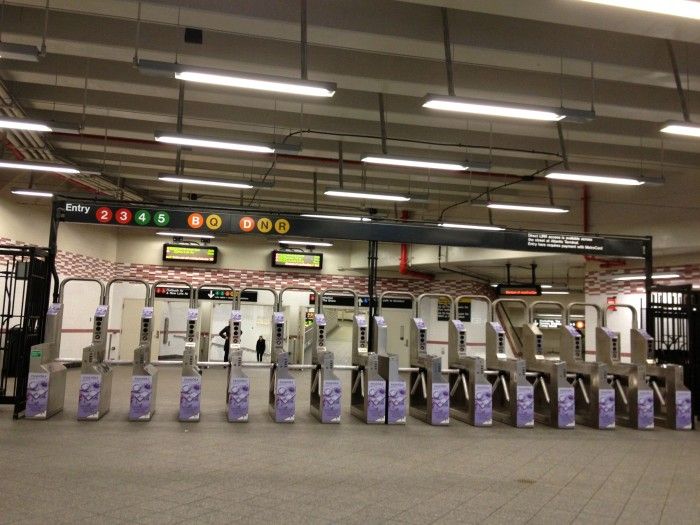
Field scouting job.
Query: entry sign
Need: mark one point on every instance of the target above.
(215, 294)
(172, 292)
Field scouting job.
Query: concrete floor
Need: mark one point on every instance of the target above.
(113, 471)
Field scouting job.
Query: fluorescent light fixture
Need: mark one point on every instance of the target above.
(57, 168)
(188, 235)
(682, 128)
(23, 124)
(205, 182)
(306, 243)
(643, 277)
(594, 179)
(486, 227)
(546, 286)
(406, 162)
(19, 52)
(495, 285)
(337, 217)
(366, 195)
(682, 8)
(207, 142)
(504, 110)
(33, 193)
(526, 207)
(556, 292)
(234, 79)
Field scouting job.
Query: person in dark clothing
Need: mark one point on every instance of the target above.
(225, 334)
(260, 348)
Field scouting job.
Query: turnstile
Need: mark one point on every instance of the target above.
(513, 394)
(429, 398)
(191, 379)
(95, 374)
(368, 397)
(283, 389)
(238, 390)
(326, 389)
(470, 392)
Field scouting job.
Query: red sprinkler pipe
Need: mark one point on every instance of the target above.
(404, 269)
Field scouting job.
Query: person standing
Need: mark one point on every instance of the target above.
(260, 348)
(226, 335)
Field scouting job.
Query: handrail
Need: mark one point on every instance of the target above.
(598, 309)
(395, 294)
(635, 315)
(254, 289)
(434, 295)
(534, 305)
(298, 289)
(483, 298)
(341, 290)
(511, 300)
(132, 281)
(65, 281)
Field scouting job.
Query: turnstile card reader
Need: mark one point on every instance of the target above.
(238, 391)
(191, 379)
(470, 391)
(395, 387)
(283, 389)
(513, 394)
(326, 389)
(672, 401)
(430, 402)
(594, 395)
(95, 374)
(46, 384)
(368, 395)
(634, 402)
(554, 395)
(144, 379)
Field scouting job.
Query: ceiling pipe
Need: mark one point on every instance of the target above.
(404, 268)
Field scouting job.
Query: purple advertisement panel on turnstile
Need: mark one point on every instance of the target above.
(37, 394)
(376, 401)
(684, 411)
(396, 402)
(483, 405)
(89, 396)
(285, 400)
(441, 404)
(331, 393)
(567, 408)
(141, 397)
(645, 409)
(190, 396)
(606, 408)
(525, 406)
(239, 391)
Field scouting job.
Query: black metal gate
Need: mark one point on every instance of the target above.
(25, 282)
(676, 331)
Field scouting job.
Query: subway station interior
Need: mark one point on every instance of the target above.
(349, 261)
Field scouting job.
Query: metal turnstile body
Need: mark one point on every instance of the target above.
(634, 402)
(368, 395)
(595, 396)
(238, 389)
(672, 402)
(429, 398)
(388, 366)
(554, 395)
(326, 390)
(470, 392)
(513, 394)
(46, 384)
(144, 378)
(95, 374)
(191, 379)
(283, 389)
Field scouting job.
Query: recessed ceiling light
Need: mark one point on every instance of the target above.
(366, 195)
(594, 179)
(503, 109)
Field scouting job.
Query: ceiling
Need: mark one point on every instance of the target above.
(542, 55)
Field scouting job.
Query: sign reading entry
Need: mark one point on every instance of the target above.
(220, 221)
